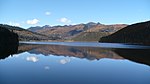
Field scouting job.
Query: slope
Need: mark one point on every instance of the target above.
(25, 35)
(138, 33)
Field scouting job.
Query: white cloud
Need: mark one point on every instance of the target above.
(47, 13)
(64, 61)
(32, 22)
(14, 24)
(64, 20)
(32, 59)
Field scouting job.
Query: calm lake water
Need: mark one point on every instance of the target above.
(76, 63)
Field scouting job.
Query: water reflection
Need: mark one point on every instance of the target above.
(136, 55)
(8, 49)
(64, 61)
(32, 58)
(90, 53)
(46, 67)
(60, 64)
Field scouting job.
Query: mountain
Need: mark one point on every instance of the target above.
(98, 31)
(25, 35)
(79, 32)
(138, 33)
(62, 32)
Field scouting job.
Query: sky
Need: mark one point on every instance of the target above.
(27, 13)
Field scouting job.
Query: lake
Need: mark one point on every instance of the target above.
(76, 63)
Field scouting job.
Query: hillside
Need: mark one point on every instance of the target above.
(138, 33)
(25, 35)
(80, 32)
(98, 31)
(63, 32)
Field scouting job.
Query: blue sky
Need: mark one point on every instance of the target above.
(26, 13)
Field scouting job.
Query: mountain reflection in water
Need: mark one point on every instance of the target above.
(66, 64)
(136, 55)
(90, 53)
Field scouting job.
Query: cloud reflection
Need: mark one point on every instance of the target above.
(65, 60)
(32, 59)
(16, 55)
(46, 67)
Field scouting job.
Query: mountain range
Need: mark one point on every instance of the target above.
(80, 32)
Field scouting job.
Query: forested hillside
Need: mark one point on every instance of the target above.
(138, 33)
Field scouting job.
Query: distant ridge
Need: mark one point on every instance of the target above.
(81, 32)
